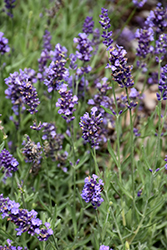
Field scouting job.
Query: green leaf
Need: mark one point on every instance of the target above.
(2, 146)
(107, 110)
(111, 151)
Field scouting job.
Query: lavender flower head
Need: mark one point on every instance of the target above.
(139, 3)
(88, 25)
(8, 163)
(21, 91)
(91, 127)
(84, 47)
(56, 71)
(66, 103)
(162, 84)
(118, 64)
(157, 19)
(46, 40)
(10, 247)
(24, 220)
(92, 191)
(105, 23)
(9, 5)
(103, 247)
(144, 36)
(4, 47)
(161, 47)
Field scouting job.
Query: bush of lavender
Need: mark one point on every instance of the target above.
(83, 155)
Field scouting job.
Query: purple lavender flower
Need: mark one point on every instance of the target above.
(139, 193)
(153, 79)
(24, 220)
(10, 247)
(31, 74)
(32, 153)
(88, 25)
(96, 39)
(92, 191)
(161, 47)
(46, 40)
(120, 71)
(21, 92)
(66, 103)
(42, 63)
(135, 131)
(56, 71)
(91, 127)
(163, 84)
(157, 18)
(144, 36)
(4, 47)
(36, 127)
(139, 3)
(84, 47)
(103, 247)
(105, 23)
(73, 59)
(102, 99)
(9, 5)
(8, 163)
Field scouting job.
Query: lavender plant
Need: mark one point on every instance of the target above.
(95, 179)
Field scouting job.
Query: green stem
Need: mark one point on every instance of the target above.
(93, 151)
(74, 177)
(132, 145)
(52, 245)
(159, 123)
(99, 228)
(120, 236)
(47, 172)
(117, 126)
(140, 224)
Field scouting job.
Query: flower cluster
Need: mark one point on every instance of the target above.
(56, 71)
(157, 18)
(144, 36)
(139, 3)
(42, 62)
(105, 23)
(84, 47)
(163, 84)
(8, 163)
(4, 47)
(36, 127)
(9, 5)
(21, 91)
(46, 40)
(32, 153)
(118, 64)
(66, 103)
(102, 99)
(88, 25)
(24, 220)
(52, 140)
(91, 127)
(92, 191)
(103, 247)
(10, 247)
(161, 47)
